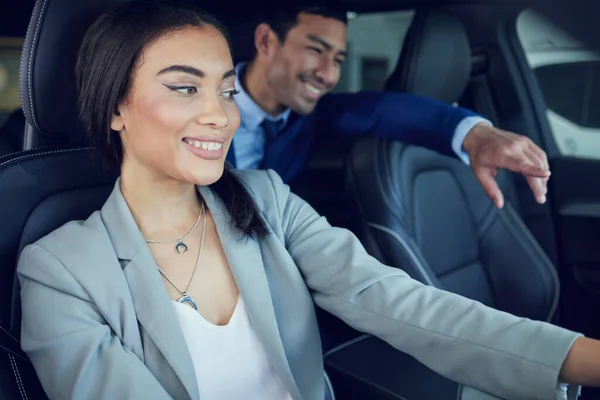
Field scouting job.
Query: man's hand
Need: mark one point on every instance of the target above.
(491, 148)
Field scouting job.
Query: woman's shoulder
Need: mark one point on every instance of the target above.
(67, 242)
(73, 234)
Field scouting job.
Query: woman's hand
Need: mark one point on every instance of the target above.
(582, 365)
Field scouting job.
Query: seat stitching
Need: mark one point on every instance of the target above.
(12, 365)
(43, 153)
(20, 379)
(17, 376)
(29, 30)
(9, 334)
(15, 354)
(30, 70)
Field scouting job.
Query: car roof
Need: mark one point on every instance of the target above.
(576, 16)
(14, 22)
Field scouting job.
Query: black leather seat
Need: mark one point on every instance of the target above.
(427, 214)
(12, 133)
(41, 189)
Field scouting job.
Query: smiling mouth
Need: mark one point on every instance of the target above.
(314, 91)
(204, 145)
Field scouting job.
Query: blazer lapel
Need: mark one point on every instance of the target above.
(245, 260)
(152, 303)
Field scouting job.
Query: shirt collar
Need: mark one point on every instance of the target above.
(250, 112)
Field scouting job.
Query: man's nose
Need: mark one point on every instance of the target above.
(328, 72)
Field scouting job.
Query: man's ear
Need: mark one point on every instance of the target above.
(265, 40)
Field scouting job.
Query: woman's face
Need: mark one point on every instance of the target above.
(179, 117)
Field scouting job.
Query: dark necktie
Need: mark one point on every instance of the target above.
(271, 129)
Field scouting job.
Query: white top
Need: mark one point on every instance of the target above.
(231, 363)
(229, 360)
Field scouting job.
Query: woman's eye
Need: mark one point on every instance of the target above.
(187, 89)
(184, 89)
(230, 94)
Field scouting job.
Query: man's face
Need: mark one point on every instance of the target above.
(307, 64)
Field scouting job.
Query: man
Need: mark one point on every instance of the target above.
(284, 103)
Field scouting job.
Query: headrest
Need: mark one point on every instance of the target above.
(436, 58)
(48, 89)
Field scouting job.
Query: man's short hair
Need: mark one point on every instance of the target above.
(281, 21)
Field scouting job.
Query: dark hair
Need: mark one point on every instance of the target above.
(282, 19)
(106, 61)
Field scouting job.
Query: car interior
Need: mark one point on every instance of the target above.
(412, 208)
(468, 247)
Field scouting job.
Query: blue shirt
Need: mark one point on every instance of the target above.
(249, 140)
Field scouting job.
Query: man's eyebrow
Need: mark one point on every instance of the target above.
(186, 69)
(325, 44)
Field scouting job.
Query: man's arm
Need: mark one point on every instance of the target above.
(449, 130)
(413, 120)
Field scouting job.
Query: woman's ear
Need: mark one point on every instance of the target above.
(117, 123)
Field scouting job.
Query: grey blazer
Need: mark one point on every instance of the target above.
(98, 323)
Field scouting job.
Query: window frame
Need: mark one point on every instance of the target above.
(571, 139)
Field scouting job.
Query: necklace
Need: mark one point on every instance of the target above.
(181, 247)
(185, 299)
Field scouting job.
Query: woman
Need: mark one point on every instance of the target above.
(194, 281)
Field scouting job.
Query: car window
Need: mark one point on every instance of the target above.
(568, 75)
(374, 44)
(571, 90)
(10, 54)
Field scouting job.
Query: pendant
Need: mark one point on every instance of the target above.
(181, 248)
(187, 300)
